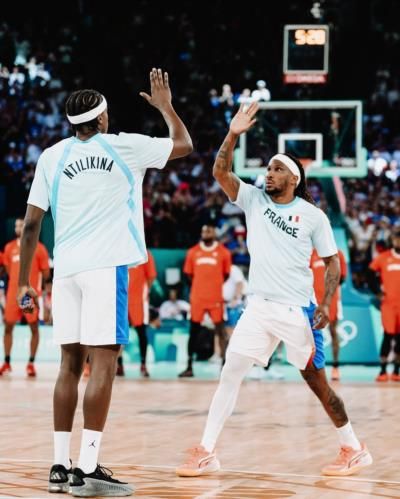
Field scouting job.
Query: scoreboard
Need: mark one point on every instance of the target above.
(305, 53)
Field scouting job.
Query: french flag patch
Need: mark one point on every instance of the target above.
(294, 218)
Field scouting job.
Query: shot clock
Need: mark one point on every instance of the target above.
(305, 53)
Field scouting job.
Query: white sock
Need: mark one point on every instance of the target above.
(62, 440)
(90, 446)
(347, 437)
(235, 369)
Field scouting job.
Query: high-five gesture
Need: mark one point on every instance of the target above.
(161, 98)
(244, 119)
(159, 87)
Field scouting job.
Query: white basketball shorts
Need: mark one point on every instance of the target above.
(91, 307)
(265, 323)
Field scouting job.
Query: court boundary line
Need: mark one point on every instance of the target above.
(223, 470)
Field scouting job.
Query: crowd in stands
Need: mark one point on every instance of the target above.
(36, 77)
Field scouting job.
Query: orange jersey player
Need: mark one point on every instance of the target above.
(387, 264)
(2, 292)
(40, 269)
(335, 311)
(141, 279)
(207, 265)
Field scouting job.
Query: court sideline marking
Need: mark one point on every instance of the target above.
(226, 470)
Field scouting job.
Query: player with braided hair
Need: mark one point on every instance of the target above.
(283, 227)
(93, 183)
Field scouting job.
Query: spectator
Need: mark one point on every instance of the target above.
(174, 308)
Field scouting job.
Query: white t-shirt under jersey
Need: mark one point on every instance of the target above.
(280, 239)
(94, 188)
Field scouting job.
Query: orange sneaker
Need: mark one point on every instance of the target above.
(5, 368)
(120, 370)
(199, 462)
(143, 371)
(382, 378)
(335, 375)
(395, 377)
(348, 462)
(30, 370)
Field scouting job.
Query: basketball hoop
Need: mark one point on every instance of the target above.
(305, 162)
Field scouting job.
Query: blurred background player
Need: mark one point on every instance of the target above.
(40, 271)
(387, 264)
(3, 278)
(317, 265)
(141, 279)
(207, 265)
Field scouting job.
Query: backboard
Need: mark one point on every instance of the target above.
(325, 135)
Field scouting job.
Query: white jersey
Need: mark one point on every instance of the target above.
(94, 188)
(280, 239)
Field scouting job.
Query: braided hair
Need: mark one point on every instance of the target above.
(80, 102)
(301, 190)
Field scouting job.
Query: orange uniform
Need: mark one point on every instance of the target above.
(40, 262)
(388, 266)
(138, 293)
(208, 266)
(318, 267)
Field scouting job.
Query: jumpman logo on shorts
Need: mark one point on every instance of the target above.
(92, 444)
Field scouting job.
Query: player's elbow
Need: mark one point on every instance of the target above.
(219, 173)
(31, 226)
(181, 148)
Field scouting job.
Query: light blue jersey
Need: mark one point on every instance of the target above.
(94, 188)
(280, 239)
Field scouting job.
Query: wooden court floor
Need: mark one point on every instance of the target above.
(272, 447)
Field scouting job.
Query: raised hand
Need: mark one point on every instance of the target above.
(244, 118)
(160, 96)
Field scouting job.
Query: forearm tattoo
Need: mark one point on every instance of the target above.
(223, 161)
(332, 277)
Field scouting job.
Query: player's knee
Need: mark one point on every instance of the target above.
(9, 326)
(71, 367)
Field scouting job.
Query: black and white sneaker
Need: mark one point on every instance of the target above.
(59, 478)
(98, 483)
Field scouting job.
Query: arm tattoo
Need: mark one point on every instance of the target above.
(223, 161)
(332, 277)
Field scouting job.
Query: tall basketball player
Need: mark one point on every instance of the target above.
(92, 181)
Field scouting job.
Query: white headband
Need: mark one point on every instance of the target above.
(89, 115)
(290, 164)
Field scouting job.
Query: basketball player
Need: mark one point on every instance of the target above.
(387, 264)
(317, 265)
(92, 181)
(40, 270)
(283, 226)
(141, 279)
(207, 265)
